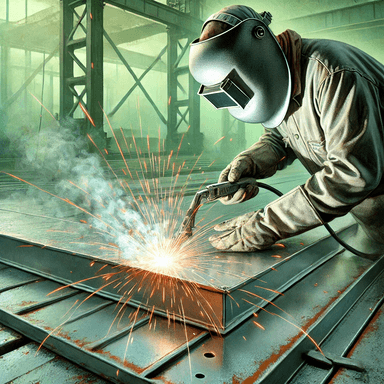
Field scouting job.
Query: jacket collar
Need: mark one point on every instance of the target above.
(291, 43)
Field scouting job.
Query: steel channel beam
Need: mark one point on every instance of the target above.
(290, 363)
(72, 352)
(159, 12)
(346, 333)
(216, 301)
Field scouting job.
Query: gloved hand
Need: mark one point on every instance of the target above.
(240, 234)
(241, 166)
(287, 216)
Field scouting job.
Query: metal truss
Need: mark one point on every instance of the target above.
(183, 107)
(86, 91)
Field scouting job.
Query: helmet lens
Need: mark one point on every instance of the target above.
(231, 92)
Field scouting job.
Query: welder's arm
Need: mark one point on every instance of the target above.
(259, 161)
(289, 215)
(352, 126)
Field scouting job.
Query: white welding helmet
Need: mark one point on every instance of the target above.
(244, 68)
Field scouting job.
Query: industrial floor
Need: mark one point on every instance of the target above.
(321, 294)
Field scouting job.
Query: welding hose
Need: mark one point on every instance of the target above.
(326, 225)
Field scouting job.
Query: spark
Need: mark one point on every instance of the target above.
(86, 113)
(218, 141)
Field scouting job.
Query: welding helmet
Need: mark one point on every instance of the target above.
(244, 68)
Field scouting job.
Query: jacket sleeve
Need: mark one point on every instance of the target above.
(269, 154)
(349, 109)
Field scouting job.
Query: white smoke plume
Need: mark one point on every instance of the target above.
(60, 163)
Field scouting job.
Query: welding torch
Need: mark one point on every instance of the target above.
(209, 194)
(217, 191)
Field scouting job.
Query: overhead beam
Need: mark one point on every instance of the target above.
(137, 33)
(159, 12)
(364, 16)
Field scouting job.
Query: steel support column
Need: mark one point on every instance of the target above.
(178, 44)
(171, 141)
(90, 99)
(94, 68)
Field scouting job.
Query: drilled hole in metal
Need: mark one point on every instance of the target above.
(209, 355)
(199, 375)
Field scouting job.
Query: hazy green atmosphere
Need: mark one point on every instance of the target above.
(21, 113)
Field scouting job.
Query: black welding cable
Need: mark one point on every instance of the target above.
(327, 226)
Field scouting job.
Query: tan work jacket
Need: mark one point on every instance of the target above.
(335, 128)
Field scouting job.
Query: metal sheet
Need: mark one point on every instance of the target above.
(9, 340)
(31, 295)
(12, 278)
(51, 316)
(11, 368)
(249, 353)
(99, 325)
(346, 333)
(62, 371)
(369, 350)
(151, 343)
(213, 307)
(27, 365)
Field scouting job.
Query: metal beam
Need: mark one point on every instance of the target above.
(362, 16)
(66, 63)
(94, 67)
(160, 13)
(137, 33)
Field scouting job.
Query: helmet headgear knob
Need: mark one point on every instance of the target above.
(259, 32)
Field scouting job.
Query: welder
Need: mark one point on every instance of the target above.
(320, 101)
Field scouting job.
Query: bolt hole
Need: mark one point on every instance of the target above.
(209, 355)
(200, 375)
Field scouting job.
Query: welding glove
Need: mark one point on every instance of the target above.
(287, 216)
(258, 161)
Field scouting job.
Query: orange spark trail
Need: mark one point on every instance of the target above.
(296, 326)
(87, 114)
(53, 117)
(218, 141)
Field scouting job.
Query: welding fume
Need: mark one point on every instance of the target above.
(320, 101)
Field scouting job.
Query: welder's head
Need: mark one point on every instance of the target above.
(241, 66)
